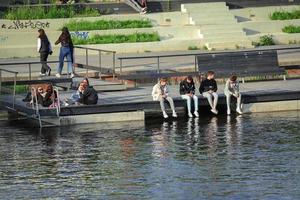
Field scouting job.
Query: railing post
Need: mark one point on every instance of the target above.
(196, 68)
(14, 95)
(100, 64)
(158, 67)
(29, 66)
(114, 65)
(121, 65)
(0, 81)
(86, 62)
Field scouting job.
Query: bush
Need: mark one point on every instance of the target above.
(52, 12)
(106, 24)
(291, 29)
(265, 40)
(285, 15)
(193, 48)
(107, 39)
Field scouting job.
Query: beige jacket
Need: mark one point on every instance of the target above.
(156, 91)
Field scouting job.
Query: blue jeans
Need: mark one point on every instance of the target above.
(65, 52)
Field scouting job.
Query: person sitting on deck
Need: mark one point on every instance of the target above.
(232, 89)
(46, 98)
(208, 89)
(187, 92)
(87, 94)
(160, 93)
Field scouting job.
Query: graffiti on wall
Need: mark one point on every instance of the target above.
(19, 25)
(80, 34)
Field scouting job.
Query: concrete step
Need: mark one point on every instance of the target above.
(212, 21)
(226, 38)
(229, 45)
(223, 35)
(199, 6)
(219, 31)
(216, 27)
(211, 14)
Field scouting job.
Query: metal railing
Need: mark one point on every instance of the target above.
(29, 64)
(15, 83)
(158, 58)
(87, 49)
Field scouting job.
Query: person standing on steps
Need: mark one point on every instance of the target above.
(45, 49)
(232, 89)
(66, 50)
(160, 92)
(187, 92)
(208, 89)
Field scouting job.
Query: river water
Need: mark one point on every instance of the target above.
(239, 157)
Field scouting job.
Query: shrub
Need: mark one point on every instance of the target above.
(193, 48)
(106, 24)
(107, 39)
(285, 15)
(265, 40)
(52, 12)
(291, 29)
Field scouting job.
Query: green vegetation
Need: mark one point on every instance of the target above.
(265, 40)
(285, 15)
(107, 39)
(84, 25)
(291, 29)
(193, 48)
(20, 89)
(52, 12)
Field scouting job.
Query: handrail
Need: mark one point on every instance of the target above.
(58, 102)
(29, 62)
(48, 5)
(94, 49)
(15, 83)
(35, 105)
(291, 47)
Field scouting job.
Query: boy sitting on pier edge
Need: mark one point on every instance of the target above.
(160, 92)
(232, 89)
(187, 92)
(208, 89)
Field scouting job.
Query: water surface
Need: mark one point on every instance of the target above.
(239, 157)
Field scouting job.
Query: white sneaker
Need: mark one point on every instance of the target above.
(174, 114)
(239, 111)
(214, 111)
(72, 75)
(41, 74)
(190, 114)
(165, 115)
(57, 75)
(228, 112)
(196, 113)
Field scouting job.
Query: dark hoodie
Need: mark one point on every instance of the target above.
(186, 87)
(207, 85)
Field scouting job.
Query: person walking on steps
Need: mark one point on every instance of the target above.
(45, 49)
(232, 89)
(66, 50)
(208, 89)
(160, 92)
(187, 92)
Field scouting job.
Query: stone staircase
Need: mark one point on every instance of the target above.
(218, 28)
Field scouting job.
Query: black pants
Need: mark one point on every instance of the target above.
(43, 58)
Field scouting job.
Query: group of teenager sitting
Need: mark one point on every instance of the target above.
(208, 88)
(45, 96)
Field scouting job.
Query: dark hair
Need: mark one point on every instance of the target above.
(87, 81)
(190, 78)
(210, 73)
(233, 78)
(42, 33)
(163, 79)
(65, 35)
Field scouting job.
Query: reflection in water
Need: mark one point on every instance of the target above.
(242, 157)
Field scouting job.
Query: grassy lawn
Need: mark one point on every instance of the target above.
(108, 39)
(285, 15)
(107, 24)
(291, 29)
(52, 12)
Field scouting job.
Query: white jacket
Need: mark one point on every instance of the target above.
(156, 91)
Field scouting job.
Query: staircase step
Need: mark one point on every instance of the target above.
(223, 35)
(216, 27)
(196, 7)
(212, 21)
(226, 39)
(228, 45)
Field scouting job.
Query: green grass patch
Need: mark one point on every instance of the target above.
(285, 15)
(107, 39)
(193, 48)
(20, 89)
(291, 29)
(265, 40)
(84, 25)
(52, 12)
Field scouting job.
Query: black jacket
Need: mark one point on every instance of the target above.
(45, 45)
(88, 97)
(207, 85)
(186, 88)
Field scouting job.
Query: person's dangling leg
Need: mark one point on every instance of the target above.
(239, 104)
(171, 102)
(215, 95)
(162, 107)
(196, 105)
(208, 96)
(228, 98)
(188, 102)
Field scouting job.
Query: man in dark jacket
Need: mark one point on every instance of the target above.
(187, 91)
(87, 95)
(208, 89)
